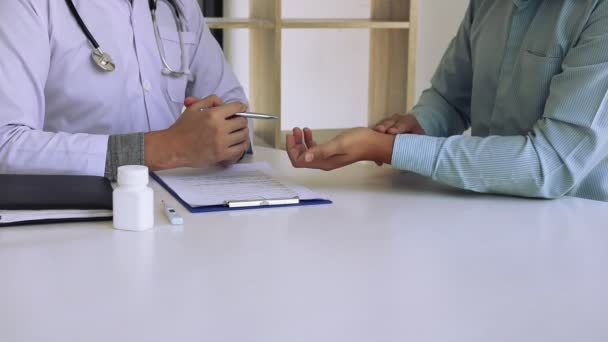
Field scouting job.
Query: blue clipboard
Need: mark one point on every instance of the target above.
(222, 207)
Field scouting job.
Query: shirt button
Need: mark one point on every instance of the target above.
(147, 85)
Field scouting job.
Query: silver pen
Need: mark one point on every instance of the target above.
(261, 116)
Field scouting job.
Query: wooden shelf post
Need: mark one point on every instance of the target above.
(265, 65)
(392, 60)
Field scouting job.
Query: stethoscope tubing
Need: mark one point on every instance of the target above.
(89, 35)
(82, 25)
(104, 60)
(153, 5)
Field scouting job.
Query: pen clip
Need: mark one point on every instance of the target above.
(264, 202)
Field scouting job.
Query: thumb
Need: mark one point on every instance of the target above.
(190, 100)
(321, 152)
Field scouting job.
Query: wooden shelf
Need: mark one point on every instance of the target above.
(239, 23)
(245, 23)
(343, 24)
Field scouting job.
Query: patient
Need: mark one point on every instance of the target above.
(530, 78)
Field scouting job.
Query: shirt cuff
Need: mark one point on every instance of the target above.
(125, 149)
(416, 153)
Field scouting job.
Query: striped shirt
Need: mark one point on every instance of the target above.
(530, 78)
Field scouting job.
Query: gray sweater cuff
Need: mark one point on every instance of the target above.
(125, 149)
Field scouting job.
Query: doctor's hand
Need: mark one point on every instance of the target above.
(400, 124)
(357, 144)
(207, 133)
(209, 102)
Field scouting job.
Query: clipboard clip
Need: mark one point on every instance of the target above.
(262, 202)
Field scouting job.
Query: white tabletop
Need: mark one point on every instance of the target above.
(395, 258)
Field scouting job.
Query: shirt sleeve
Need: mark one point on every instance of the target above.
(564, 146)
(24, 65)
(125, 149)
(444, 109)
(210, 72)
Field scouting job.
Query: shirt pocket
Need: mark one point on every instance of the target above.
(176, 85)
(533, 82)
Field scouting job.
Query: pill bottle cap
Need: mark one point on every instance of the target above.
(133, 175)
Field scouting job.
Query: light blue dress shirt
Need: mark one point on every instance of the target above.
(530, 78)
(57, 108)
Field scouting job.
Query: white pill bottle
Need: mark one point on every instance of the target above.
(133, 199)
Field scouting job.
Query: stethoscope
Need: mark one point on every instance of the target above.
(104, 60)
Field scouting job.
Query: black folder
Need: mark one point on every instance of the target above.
(37, 199)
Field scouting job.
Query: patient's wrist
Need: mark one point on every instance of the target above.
(381, 147)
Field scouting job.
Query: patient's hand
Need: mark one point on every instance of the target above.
(400, 124)
(357, 144)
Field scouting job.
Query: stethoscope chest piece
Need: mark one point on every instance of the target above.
(103, 60)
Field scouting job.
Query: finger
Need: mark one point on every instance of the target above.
(227, 163)
(248, 143)
(297, 134)
(236, 124)
(235, 152)
(321, 152)
(290, 142)
(403, 126)
(390, 122)
(190, 100)
(207, 102)
(294, 151)
(238, 137)
(213, 101)
(308, 138)
(383, 126)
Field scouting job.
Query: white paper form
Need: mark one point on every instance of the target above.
(240, 182)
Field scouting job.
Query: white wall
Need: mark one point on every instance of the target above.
(340, 58)
(236, 42)
(325, 72)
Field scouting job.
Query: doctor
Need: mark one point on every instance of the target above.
(90, 85)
